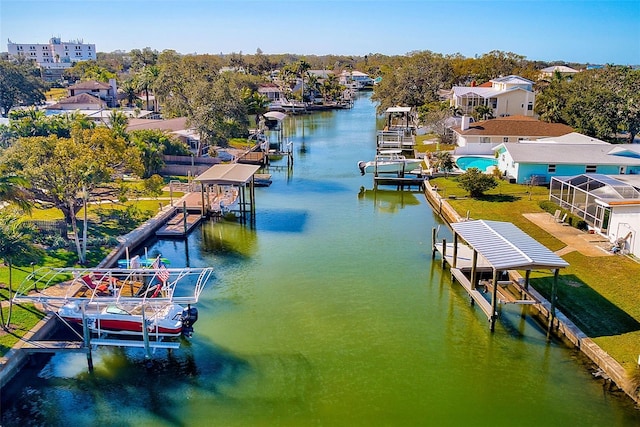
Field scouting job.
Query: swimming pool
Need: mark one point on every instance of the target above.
(482, 163)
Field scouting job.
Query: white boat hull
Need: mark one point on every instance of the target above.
(160, 320)
(391, 166)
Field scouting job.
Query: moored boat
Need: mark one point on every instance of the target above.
(390, 161)
(128, 318)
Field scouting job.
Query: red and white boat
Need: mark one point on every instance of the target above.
(145, 304)
(129, 318)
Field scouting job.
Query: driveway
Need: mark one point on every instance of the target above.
(592, 245)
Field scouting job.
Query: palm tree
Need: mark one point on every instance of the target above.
(147, 78)
(15, 249)
(442, 160)
(118, 124)
(129, 88)
(483, 112)
(13, 189)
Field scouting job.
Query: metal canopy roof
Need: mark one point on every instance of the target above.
(506, 247)
(277, 115)
(228, 174)
(398, 110)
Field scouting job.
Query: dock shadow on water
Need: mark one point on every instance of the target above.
(153, 389)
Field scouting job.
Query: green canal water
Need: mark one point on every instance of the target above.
(329, 312)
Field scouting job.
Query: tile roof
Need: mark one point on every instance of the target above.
(83, 98)
(90, 85)
(521, 126)
(179, 123)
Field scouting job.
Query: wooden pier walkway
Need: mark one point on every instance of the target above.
(180, 225)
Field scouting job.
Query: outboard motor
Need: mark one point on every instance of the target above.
(361, 166)
(189, 317)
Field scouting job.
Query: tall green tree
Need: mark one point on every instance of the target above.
(150, 144)
(19, 85)
(219, 113)
(415, 81)
(130, 90)
(61, 170)
(255, 102)
(598, 103)
(89, 70)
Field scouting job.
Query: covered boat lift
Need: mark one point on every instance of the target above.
(53, 288)
(233, 174)
(496, 247)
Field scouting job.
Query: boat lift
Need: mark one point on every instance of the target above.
(52, 288)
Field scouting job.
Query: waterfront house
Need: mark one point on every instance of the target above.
(506, 129)
(507, 96)
(564, 71)
(570, 155)
(271, 91)
(356, 80)
(610, 204)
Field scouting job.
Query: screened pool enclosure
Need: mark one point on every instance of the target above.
(590, 196)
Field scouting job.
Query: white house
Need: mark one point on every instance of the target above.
(272, 91)
(355, 80)
(507, 96)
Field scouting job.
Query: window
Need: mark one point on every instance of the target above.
(485, 139)
(591, 169)
(505, 139)
(530, 107)
(551, 169)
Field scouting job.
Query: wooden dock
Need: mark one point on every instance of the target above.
(408, 180)
(253, 158)
(507, 291)
(180, 225)
(53, 346)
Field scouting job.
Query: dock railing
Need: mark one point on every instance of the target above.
(394, 139)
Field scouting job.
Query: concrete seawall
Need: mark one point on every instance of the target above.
(564, 328)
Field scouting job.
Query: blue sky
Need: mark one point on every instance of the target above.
(582, 31)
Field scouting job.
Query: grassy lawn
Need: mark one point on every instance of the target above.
(105, 222)
(601, 301)
(24, 318)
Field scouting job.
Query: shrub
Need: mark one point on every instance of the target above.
(476, 182)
